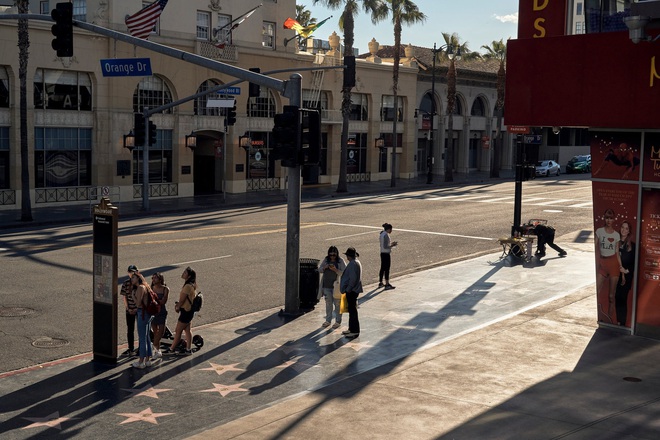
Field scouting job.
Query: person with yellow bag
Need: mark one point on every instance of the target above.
(351, 284)
(331, 268)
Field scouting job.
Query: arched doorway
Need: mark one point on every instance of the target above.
(208, 162)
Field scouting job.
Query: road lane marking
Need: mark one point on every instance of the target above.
(186, 263)
(417, 232)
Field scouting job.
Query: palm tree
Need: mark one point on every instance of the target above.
(378, 11)
(403, 11)
(23, 56)
(497, 51)
(304, 16)
(451, 40)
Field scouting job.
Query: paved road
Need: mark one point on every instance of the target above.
(239, 253)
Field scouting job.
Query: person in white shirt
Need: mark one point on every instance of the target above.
(386, 245)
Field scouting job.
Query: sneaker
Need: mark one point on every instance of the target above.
(351, 335)
(345, 332)
(184, 352)
(139, 365)
(157, 354)
(336, 325)
(381, 285)
(389, 287)
(147, 363)
(167, 351)
(563, 254)
(325, 324)
(128, 352)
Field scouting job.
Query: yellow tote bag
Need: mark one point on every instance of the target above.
(343, 305)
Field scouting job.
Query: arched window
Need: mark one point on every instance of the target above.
(478, 107)
(458, 107)
(62, 90)
(151, 92)
(200, 105)
(428, 104)
(262, 106)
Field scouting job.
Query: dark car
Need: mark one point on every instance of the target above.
(579, 164)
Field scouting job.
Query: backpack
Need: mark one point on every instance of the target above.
(151, 306)
(196, 303)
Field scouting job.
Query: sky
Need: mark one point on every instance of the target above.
(479, 22)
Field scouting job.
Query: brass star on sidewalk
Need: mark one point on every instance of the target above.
(357, 346)
(221, 368)
(51, 421)
(145, 415)
(146, 391)
(224, 389)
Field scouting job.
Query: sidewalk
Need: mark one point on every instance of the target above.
(477, 349)
(46, 216)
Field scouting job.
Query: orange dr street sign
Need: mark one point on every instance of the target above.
(518, 129)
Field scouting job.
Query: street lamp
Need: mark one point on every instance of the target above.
(451, 102)
(451, 54)
(129, 141)
(191, 141)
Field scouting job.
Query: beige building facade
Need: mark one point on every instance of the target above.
(78, 118)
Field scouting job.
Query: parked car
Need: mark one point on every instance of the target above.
(547, 168)
(579, 164)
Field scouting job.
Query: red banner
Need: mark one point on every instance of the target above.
(541, 18)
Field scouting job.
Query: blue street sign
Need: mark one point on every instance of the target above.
(126, 67)
(533, 139)
(230, 91)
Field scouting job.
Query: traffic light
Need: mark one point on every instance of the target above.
(63, 29)
(349, 72)
(310, 137)
(285, 136)
(139, 129)
(231, 114)
(254, 90)
(152, 133)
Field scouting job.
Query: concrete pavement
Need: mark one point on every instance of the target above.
(478, 349)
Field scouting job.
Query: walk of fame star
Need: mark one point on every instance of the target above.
(51, 421)
(221, 368)
(224, 389)
(146, 415)
(146, 391)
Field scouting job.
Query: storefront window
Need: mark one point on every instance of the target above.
(262, 106)
(260, 164)
(62, 90)
(160, 160)
(63, 157)
(200, 104)
(357, 153)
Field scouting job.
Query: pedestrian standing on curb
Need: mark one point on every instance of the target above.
(143, 322)
(131, 309)
(331, 269)
(351, 284)
(386, 245)
(158, 323)
(184, 308)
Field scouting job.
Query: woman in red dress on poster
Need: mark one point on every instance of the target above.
(608, 263)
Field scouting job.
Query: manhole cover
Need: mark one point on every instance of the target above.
(13, 312)
(50, 342)
(632, 379)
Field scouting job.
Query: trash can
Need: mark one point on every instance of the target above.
(308, 286)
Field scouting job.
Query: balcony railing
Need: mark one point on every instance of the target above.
(210, 50)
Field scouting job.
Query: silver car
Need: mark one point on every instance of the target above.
(547, 168)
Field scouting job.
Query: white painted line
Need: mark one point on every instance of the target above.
(500, 199)
(552, 210)
(553, 202)
(185, 263)
(347, 236)
(582, 205)
(533, 199)
(418, 232)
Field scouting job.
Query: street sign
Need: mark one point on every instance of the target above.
(231, 91)
(126, 67)
(533, 139)
(220, 103)
(518, 129)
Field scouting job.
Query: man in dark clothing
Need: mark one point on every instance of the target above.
(544, 235)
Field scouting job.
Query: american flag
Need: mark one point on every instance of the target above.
(142, 23)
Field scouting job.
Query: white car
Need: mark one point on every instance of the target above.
(547, 168)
